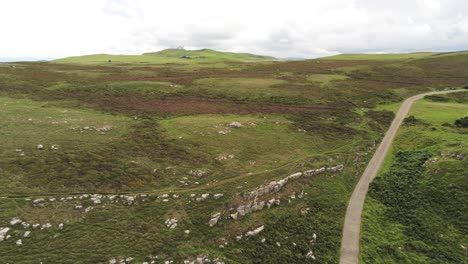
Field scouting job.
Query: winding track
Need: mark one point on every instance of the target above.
(352, 225)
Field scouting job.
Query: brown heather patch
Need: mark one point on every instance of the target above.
(196, 105)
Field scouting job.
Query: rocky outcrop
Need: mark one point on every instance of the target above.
(275, 186)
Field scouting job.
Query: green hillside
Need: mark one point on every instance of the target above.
(168, 56)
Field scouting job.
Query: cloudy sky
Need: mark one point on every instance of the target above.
(287, 28)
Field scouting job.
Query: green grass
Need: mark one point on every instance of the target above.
(26, 124)
(429, 230)
(325, 79)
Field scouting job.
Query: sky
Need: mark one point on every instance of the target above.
(46, 29)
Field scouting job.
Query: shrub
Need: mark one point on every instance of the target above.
(462, 122)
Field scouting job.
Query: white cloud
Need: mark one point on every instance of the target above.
(55, 28)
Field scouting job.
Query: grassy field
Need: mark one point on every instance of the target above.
(128, 146)
(168, 56)
(415, 210)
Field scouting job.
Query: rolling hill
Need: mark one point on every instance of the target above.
(169, 56)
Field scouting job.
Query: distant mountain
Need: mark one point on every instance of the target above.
(169, 56)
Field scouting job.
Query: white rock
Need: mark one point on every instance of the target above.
(171, 223)
(218, 195)
(40, 200)
(214, 219)
(54, 147)
(310, 255)
(235, 215)
(15, 220)
(19, 242)
(27, 233)
(60, 226)
(235, 125)
(187, 231)
(255, 231)
(130, 200)
(46, 225)
(295, 175)
(40, 147)
(3, 232)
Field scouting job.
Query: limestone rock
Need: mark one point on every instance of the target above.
(235, 125)
(214, 219)
(255, 231)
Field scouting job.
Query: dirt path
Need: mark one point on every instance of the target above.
(352, 225)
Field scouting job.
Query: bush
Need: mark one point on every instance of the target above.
(410, 120)
(462, 122)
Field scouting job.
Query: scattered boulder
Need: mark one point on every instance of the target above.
(214, 219)
(39, 200)
(46, 225)
(54, 147)
(19, 242)
(198, 172)
(104, 128)
(310, 255)
(224, 157)
(40, 147)
(218, 195)
(3, 233)
(171, 223)
(235, 215)
(235, 125)
(15, 220)
(256, 231)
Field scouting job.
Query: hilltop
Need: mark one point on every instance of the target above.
(181, 56)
